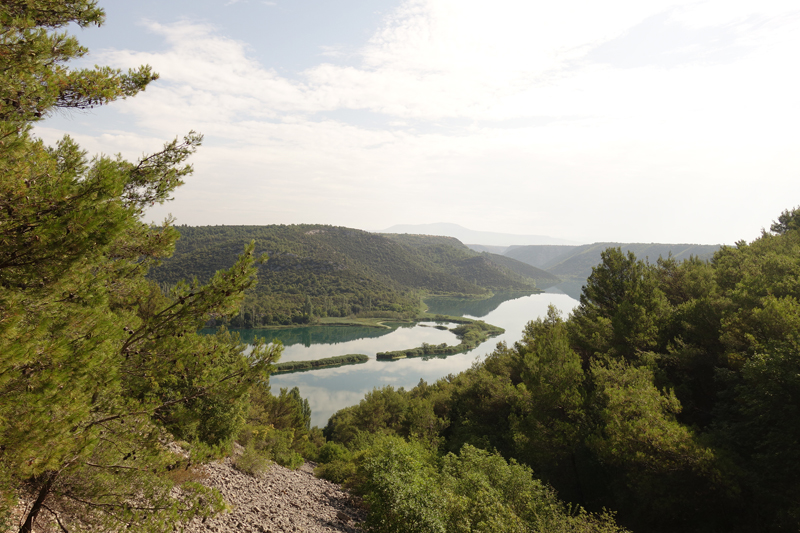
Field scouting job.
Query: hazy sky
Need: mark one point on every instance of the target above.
(629, 121)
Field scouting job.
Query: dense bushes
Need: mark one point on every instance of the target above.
(409, 487)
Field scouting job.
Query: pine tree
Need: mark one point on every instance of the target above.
(98, 368)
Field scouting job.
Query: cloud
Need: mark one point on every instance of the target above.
(488, 111)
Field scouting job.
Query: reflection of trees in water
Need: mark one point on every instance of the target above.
(313, 334)
(461, 307)
(572, 288)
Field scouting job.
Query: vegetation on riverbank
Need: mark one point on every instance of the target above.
(327, 362)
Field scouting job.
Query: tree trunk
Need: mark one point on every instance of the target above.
(44, 491)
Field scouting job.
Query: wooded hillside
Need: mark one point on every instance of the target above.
(328, 271)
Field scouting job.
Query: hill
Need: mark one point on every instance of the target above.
(469, 236)
(488, 269)
(578, 262)
(316, 270)
(538, 256)
(486, 248)
(573, 264)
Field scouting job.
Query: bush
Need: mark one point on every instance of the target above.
(251, 461)
(401, 486)
(278, 444)
(332, 451)
(410, 489)
(337, 471)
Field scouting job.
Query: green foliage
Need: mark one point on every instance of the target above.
(410, 488)
(98, 366)
(671, 395)
(251, 461)
(788, 220)
(389, 411)
(279, 427)
(400, 486)
(550, 414)
(326, 271)
(337, 465)
(621, 308)
(35, 81)
(332, 451)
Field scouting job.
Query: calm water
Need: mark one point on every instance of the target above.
(331, 389)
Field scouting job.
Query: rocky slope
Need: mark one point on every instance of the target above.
(281, 500)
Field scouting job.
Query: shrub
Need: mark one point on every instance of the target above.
(337, 471)
(251, 461)
(332, 451)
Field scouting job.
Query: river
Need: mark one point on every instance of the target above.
(331, 389)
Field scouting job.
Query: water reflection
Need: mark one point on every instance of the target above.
(330, 341)
(329, 390)
(473, 308)
(309, 335)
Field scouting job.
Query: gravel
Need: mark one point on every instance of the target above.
(281, 500)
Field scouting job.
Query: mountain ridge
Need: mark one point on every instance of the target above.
(469, 236)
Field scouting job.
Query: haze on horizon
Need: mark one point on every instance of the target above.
(659, 121)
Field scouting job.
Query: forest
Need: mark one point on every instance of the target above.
(316, 271)
(670, 396)
(669, 401)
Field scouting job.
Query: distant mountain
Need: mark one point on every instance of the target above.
(573, 264)
(578, 262)
(538, 256)
(485, 248)
(472, 265)
(469, 236)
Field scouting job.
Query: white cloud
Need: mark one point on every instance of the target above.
(601, 141)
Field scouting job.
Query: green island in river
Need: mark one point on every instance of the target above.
(327, 362)
(470, 332)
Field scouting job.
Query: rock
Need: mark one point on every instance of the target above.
(279, 501)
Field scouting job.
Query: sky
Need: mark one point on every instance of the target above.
(615, 121)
